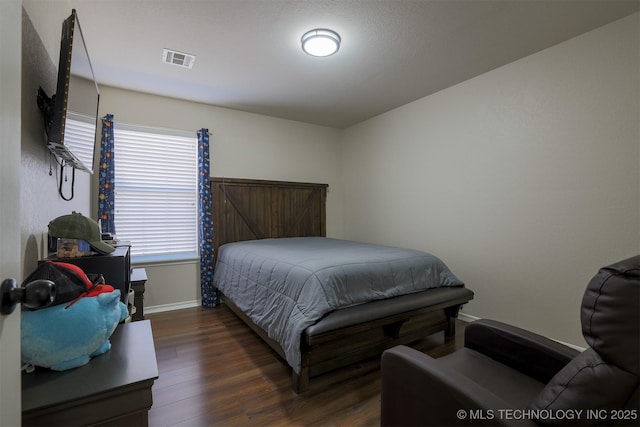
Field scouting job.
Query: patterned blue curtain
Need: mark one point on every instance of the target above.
(206, 220)
(106, 179)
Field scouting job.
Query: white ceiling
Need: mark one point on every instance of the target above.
(249, 57)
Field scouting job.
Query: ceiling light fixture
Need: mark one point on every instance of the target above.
(320, 42)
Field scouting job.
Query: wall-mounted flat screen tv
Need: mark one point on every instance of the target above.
(71, 115)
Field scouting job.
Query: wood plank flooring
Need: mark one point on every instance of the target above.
(214, 371)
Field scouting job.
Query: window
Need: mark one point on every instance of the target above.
(156, 192)
(80, 137)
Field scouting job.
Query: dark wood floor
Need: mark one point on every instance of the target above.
(214, 371)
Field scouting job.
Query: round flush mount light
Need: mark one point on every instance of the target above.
(320, 42)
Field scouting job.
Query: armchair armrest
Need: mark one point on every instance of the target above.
(416, 390)
(532, 354)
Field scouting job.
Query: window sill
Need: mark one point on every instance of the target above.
(170, 259)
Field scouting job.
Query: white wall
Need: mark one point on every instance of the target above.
(242, 145)
(525, 180)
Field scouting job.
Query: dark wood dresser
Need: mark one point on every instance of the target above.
(113, 389)
(115, 267)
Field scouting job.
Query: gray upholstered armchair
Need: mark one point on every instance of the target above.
(508, 376)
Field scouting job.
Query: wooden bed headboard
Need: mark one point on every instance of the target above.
(248, 209)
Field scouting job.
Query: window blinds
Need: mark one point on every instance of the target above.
(80, 137)
(156, 192)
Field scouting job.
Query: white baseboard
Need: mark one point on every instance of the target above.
(170, 307)
(469, 318)
(573, 346)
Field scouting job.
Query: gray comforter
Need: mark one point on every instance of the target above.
(285, 285)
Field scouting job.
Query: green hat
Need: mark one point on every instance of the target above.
(78, 226)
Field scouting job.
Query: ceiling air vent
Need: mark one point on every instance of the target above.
(180, 59)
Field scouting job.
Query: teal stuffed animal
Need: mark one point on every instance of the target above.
(66, 336)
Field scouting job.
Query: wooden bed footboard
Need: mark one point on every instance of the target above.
(330, 350)
(333, 349)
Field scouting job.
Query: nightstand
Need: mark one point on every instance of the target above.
(138, 280)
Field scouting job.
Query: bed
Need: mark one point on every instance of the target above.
(278, 272)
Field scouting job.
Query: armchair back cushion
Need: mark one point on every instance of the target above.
(604, 376)
(610, 314)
